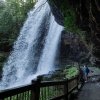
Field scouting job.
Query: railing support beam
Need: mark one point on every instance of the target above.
(66, 90)
(35, 92)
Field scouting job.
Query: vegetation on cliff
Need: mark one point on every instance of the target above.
(69, 15)
(12, 16)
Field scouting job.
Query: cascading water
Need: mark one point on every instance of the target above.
(46, 62)
(19, 69)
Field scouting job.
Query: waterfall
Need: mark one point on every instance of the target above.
(31, 55)
(47, 59)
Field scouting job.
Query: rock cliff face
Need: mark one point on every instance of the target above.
(88, 19)
(73, 49)
(89, 13)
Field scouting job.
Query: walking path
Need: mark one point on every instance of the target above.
(91, 89)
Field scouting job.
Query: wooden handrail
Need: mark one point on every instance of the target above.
(52, 83)
(14, 91)
(35, 89)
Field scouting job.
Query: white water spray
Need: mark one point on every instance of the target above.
(46, 63)
(19, 68)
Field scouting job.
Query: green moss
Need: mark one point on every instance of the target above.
(70, 21)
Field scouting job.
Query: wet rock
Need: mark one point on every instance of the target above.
(73, 49)
(56, 11)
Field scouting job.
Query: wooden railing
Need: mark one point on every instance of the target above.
(41, 90)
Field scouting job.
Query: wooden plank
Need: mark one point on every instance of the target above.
(66, 90)
(35, 92)
(14, 91)
(70, 91)
(58, 97)
(52, 83)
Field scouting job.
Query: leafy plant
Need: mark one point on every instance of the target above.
(70, 21)
(71, 72)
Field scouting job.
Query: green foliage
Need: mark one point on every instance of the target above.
(68, 72)
(48, 92)
(71, 72)
(70, 17)
(70, 21)
(2, 57)
(12, 15)
(69, 14)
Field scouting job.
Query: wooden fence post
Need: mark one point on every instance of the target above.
(35, 92)
(77, 81)
(66, 90)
